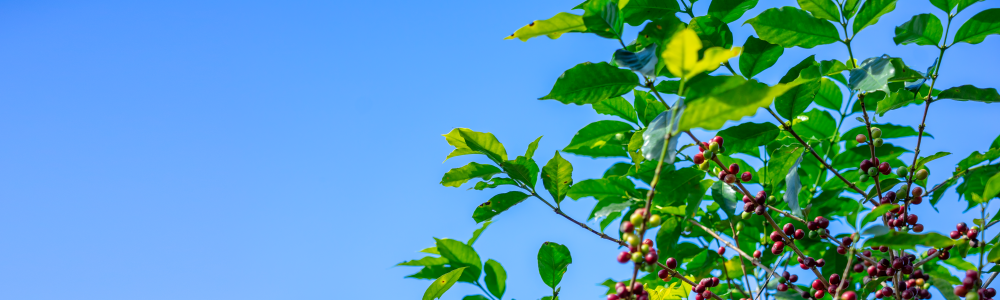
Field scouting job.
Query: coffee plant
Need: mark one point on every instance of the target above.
(670, 201)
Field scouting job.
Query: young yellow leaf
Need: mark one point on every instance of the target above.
(714, 57)
(553, 27)
(681, 54)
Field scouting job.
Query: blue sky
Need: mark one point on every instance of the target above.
(292, 150)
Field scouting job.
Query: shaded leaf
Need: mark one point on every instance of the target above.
(876, 213)
(816, 123)
(757, 56)
(828, 95)
(600, 189)
(727, 198)
(730, 10)
(618, 107)
(922, 29)
(461, 255)
(748, 136)
(603, 17)
(796, 100)
(654, 138)
(557, 177)
(712, 32)
(496, 278)
(897, 100)
(522, 169)
(970, 93)
(644, 61)
(782, 160)
(638, 11)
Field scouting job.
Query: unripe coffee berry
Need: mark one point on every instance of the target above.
(876, 133)
(654, 221)
(901, 171)
(713, 147)
(921, 174)
(872, 172)
(877, 142)
(861, 138)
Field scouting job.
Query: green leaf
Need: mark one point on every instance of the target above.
(730, 10)
(497, 205)
(897, 100)
(975, 30)
(618, 107)
(669, 234)
(654, 138)
(945, 5)
(924, 160)
(905, 73)
(994, 255)
(782, 160)
(828, 95)
(902, 240)
(425, 261)
(557, 177)
(461, 255)
(553, 27)
(647, 106)
(970, 93)
(870, 11)
(962, 4)
(823, 9)
(712, 32)
(796, 100)
(877, 212)
(496, 278)
(553, 260)
(590, 83)
(757, 56)
(727, 198)
(600, 189)
(992, 187)
(922, 29)
(873, 75)
(815, 123)
(790, 27)
(685, 183)
(602, 17)
(850, 7)
(748, 136)
(475, 234)
(531, 148)
(457, 176)
(604, 138)
(717, 99)
(638, 11)
(944, 288)
(467, 141)
(475, 297)
(522, 169)
(442, 284)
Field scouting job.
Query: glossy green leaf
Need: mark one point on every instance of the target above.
(876, 213)
(442, 284)
(944, 288)
(829, 95)
(727, 198)
(899, 99)
(757, 56)
(557, 177)
(992, 187)
(782, 160)
(748, 136)
(603, 17)
(975, 30)
(618, 107)
(717, 99)
(815, 123)
(970, 93)
(552, 27)
(712, 31)
(531, 148)
(654, 138)
(994, 256)
(461, 255)
(873, 75)
(790, 27)
(684, 184)
(823, 9)
(638, 11)
(796, 100)
(922, 29)
(730, 10)
(522, 169)
(425, 261)
(945, 5)
(467, 141)
(553, 260)
(600, 139)
(850, 8)
(870, 12)
(962, 4)
(496, 278)
(478, 232)
(475, 297)
(457, 176)
(669, 234)
(602, 188)
(647, 106)
(497, 205)
(590, 83)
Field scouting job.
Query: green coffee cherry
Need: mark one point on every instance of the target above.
(921, 174)
(739, 226)
(636, 257)
(872, 172)
(813, 235)
(654, 221)
(864, 177)
(770, 199)
(877, 142)
(722, 149)
(714, 147)
(901, 171)
(903, 191)
(704, 166)
(876, 133)
(644, 248)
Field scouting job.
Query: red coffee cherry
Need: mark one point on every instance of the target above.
(734, 168)
(789, 229)
(782, 287)
(961, 227)
(698, 158)
(746, 177)
(918, 228)
(777, 248)
(799, 234)
(651, 257)
(627, 226)
(849, 295)
(663, 274)
(717, 139)
(955, 234)
(722, 250)
(866, 164)
(624, 257)
(884, 168)
(613, 297)
(730, 178)
(671, 263)
(858, 268)
(756, 254)
(861, 138)
(912, 219)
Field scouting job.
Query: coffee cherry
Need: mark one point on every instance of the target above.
(866, 253)
(730, 178)
(793, 278)
(654, 221)
(631, 239)
(761, 197)
(777, 248)
(651, 258)
(717, 139)
(841, 250)
(872, 172)
(713, 147)
(917, 199)
(644, 248)
(884, 249)
(627, 227)
(918, 228)
(884, 168)
(990, 292)
(911, 219)
(901, 171)
(849, 295)
(775, 236)
(756, 254)
(921, 174)
(834, 279)
(861, 138)
(746, 177)
(877, 142)
(858, 268)
(663, 274)
(865, 165)
(812, 225)
(624, 256)
(944, 255)
(747, 208)
(872, 271)
(705, 166)
(955, 234)
(789, 229)
(636, 219)
(864, 177)
(878, 294)
(722, 250)
(890, 195)
(973, 232)
(897, 263)
(819, 294)
(917, 191)
(799, 234)
(822, 222)
(960, 291)
(760, 210)
(782, 287)
(637, 256)
(734, 168)
(961, 227)
(613, 297)
(671, 263)
(698, 158)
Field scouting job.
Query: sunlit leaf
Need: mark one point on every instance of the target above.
(758, 55)
(590, 83)
(873, 75)
(790, 27)
(823, 9)
(442, 284)
(557, 177)
(603, 17)
(717, 99)
(730, 10)
(922, 29)
(828, 95)
(461, 255)
(497, 205)
(618, 107)
(457, 176)
(496, 278)
(748, 136)
(970, 93)
(600, 139)
(638, 11)
(553, 260)
(870, 12)
(975, 30)
(552, 27)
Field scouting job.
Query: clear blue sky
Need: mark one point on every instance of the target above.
(292, 149)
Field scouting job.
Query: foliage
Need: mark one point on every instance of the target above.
(824, 158)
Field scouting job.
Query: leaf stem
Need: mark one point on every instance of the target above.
(484, 291)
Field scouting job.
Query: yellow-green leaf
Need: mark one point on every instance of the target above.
(553, 27)
(442, 284)
(681, 54)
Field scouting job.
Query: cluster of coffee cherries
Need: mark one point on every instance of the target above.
(885, 267)
(757, 205)
(898, 217)
(819, 291)
(962, 231)
(639, 252)
(707, 153)
(970, 288)
(701, 290)
(876, 137)
(916, 287)
(817, 229)
(623, 291)
(786, 279)
(871, 168)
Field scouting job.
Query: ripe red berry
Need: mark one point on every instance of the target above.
(698, 158)
(789, 229)
(627, 226)
(961, 291)
(884, 168)
(746, 177)
(777, 248)
(955, 234)
(961, 227)
(917, 199)
(624, 257)
(722, 250)
(918, 228)
(872, 271)
(782, 287)
(878, 294)
(819, 294)
(812, 225)
(775, 236)
(858, 268)
(917, 191)
(912, 219)
(759, 210)
(756, 254)
(734, 168)
(613, 297)
(972, 233)
(849, 295)
(663, 274)
(671, 263)
(883, 248)
(822, 222)
(820, 262)
(648, 242)
(717, 139)
(990, 292)
(799, 234)
(866, 164)
(841, 250)
(793, 278)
